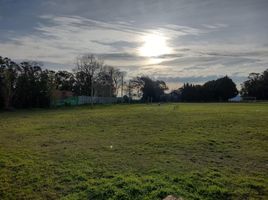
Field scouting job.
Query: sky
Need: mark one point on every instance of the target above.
(177, 41)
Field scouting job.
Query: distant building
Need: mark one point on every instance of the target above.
(237, 98)
(61, 94)
(63, 97)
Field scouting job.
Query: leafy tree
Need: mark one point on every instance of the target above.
(87, 68)
(33, 86)
(8, 74)
(256, 86)
(46, 86)
(1, 83)
(151, 90)
(64, 80)
(221, 89)
(216, 90)
(26, 85)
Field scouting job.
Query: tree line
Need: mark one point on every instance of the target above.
(26, 84)
(222, 89)
(216, 90)
(219, 90)
(149, 90)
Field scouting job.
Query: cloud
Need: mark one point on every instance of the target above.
(207, 61)
(200, 79)
(120, 45)
(215, 26)
(59, 39)
(198, 50)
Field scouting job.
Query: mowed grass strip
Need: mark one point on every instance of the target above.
(195, 151)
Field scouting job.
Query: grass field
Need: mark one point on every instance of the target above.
(195, 151)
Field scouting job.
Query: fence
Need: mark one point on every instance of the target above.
(80, 100)
(70, 101)
(96, 100)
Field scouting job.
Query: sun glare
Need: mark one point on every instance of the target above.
(154, 45)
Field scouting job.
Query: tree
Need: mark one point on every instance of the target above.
(112, 77)
(1, 83)
(151, 90)
(87, 69)
(226, 88)
(216, 90)
(129, 88)
(256, 86)
(34, 86)
(46, 86)
(64, 80)
(219, 90)
(105, 81)
(8, 74)
(27, 85)
(123, 74)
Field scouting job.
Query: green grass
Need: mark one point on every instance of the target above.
(195, 151)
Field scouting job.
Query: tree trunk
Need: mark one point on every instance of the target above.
(122, 88)
(91, 93)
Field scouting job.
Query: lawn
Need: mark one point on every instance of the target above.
(193, 151)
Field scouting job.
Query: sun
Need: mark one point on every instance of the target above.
(154, 45)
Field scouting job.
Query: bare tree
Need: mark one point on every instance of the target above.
(123, 74)
(116, 76)
(90, 65)
(129, 89)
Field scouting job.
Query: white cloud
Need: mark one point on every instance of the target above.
(59, 39)
(62, 38)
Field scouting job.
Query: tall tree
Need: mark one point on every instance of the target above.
(8, 74)
(216, 90)
(151, 90)
(1, 83)
(88, 68)
(256, 86)
(34, 86)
